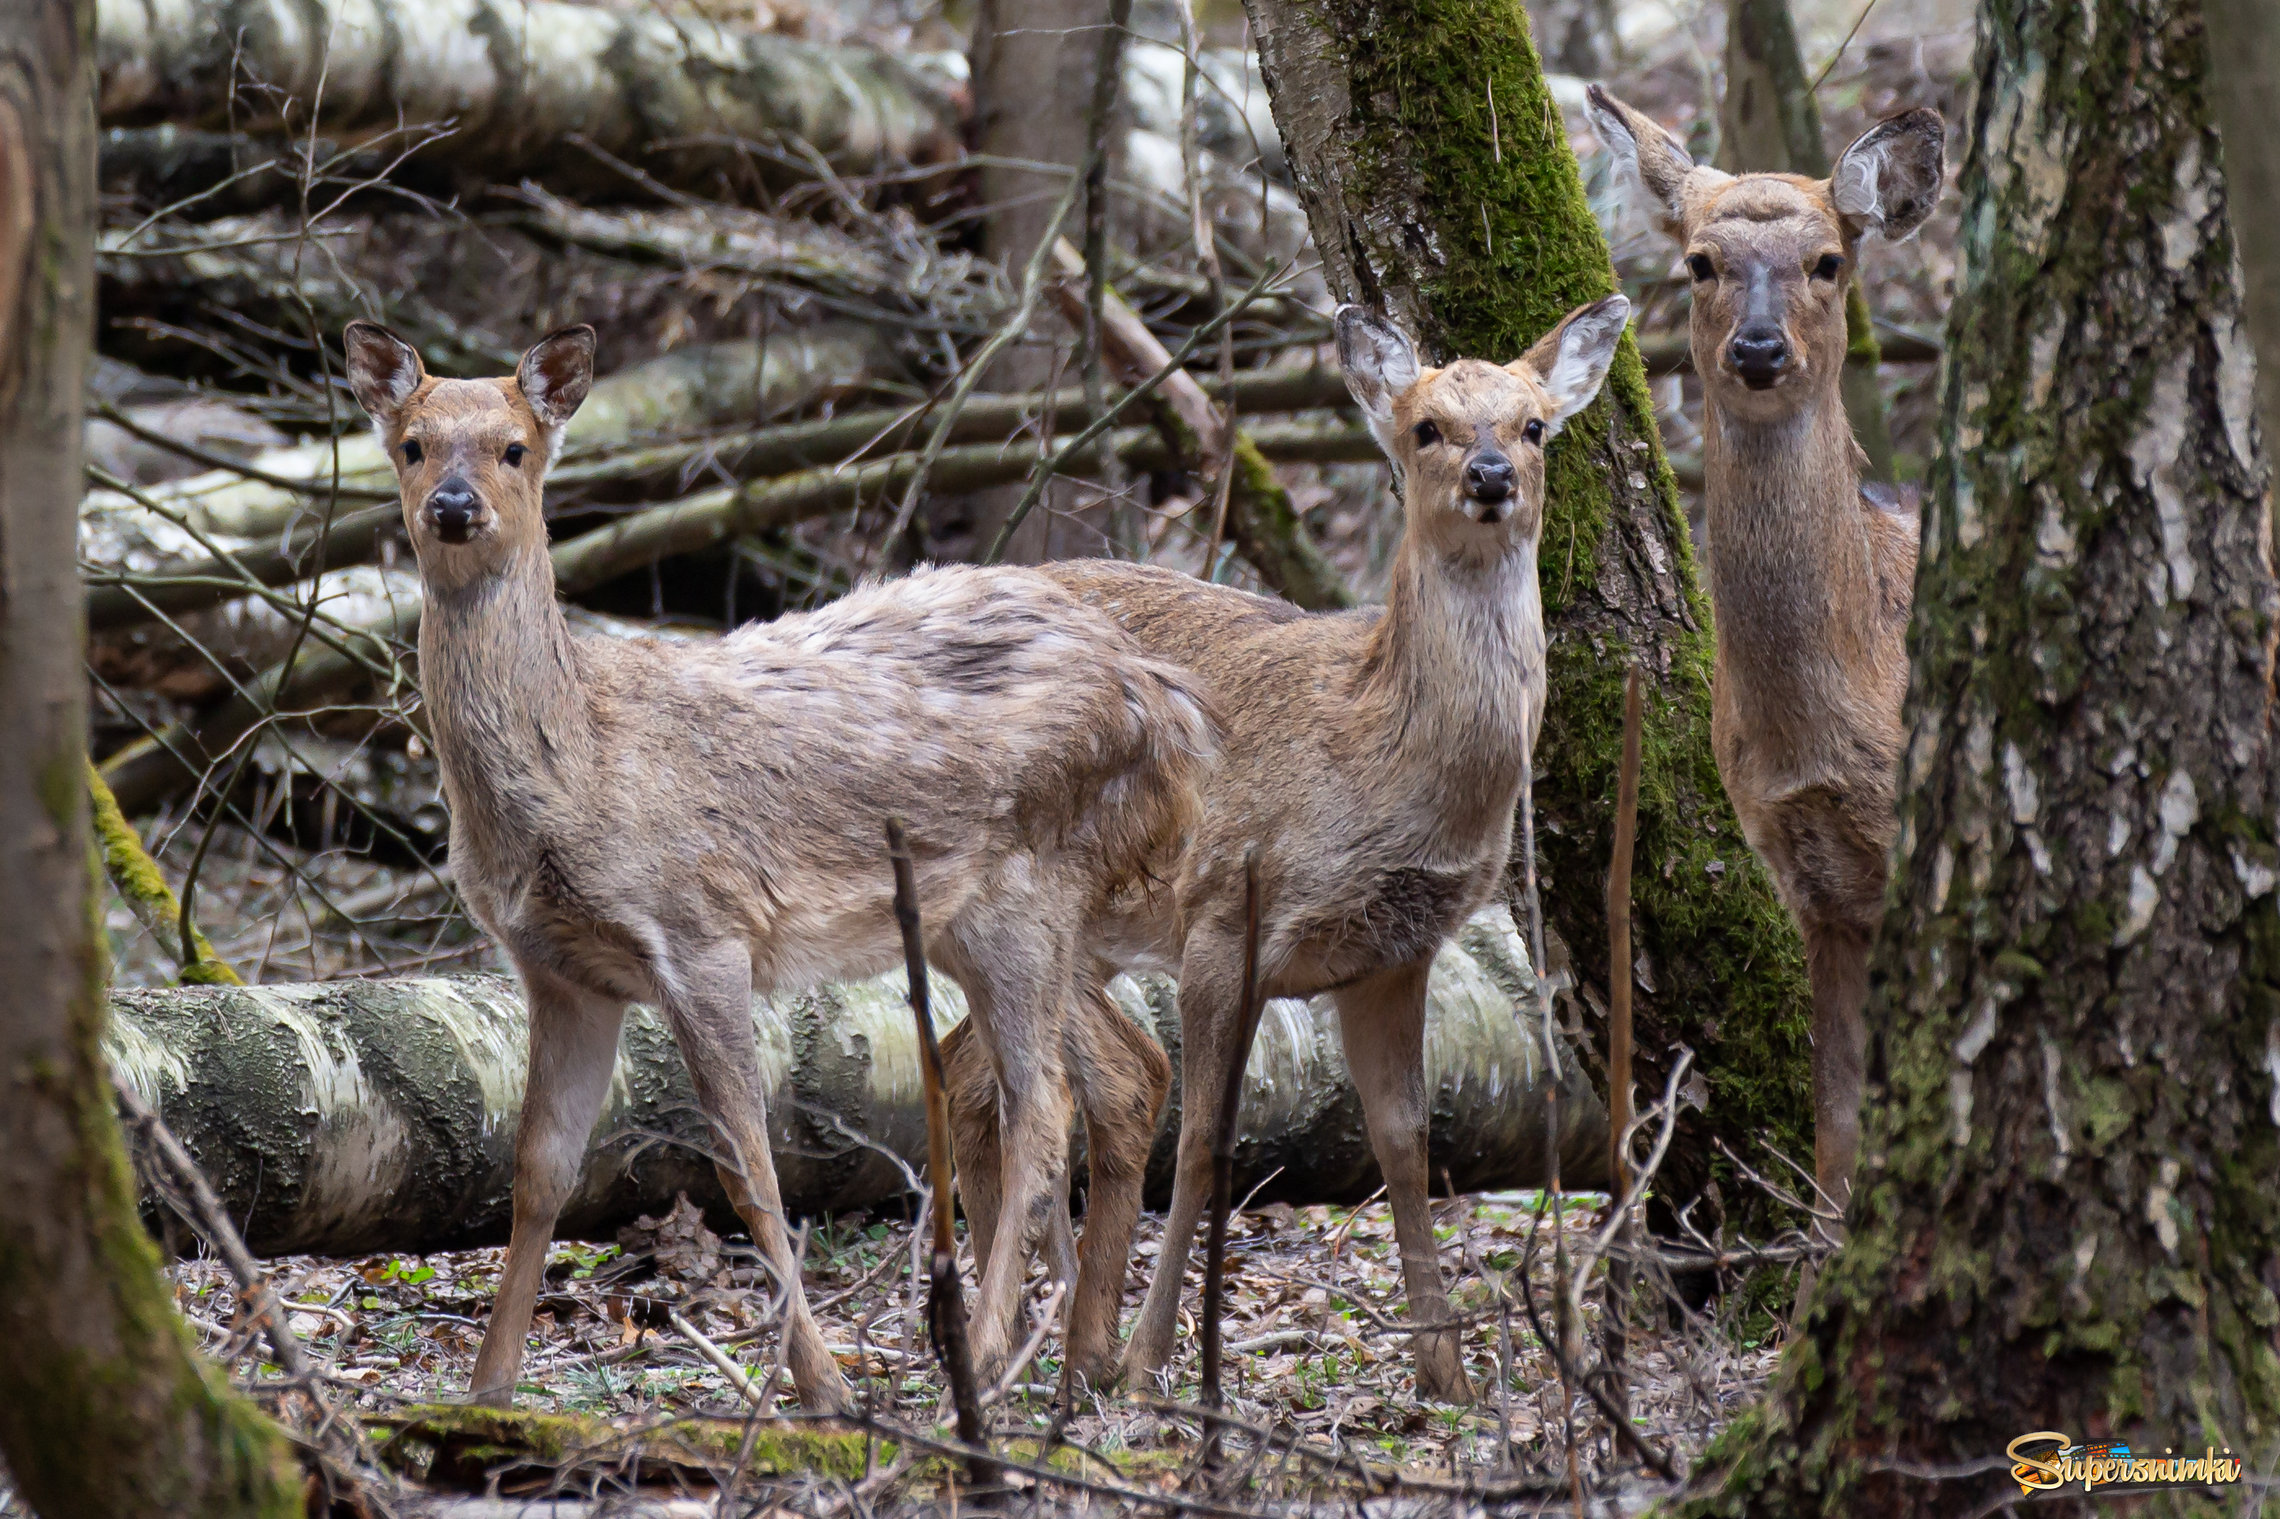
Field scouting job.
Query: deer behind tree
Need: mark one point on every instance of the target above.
(1810, 573)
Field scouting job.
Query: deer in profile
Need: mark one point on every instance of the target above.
(1373, 759)
(677, 825)
(1811, 573)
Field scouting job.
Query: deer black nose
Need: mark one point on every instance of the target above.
(1760, 354)
(452, 510)
(1488, 478)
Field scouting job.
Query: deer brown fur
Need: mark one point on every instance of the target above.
(1374, 757)
(678, 824)
(1811, 575)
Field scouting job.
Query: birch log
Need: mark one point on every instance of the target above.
(360, 1116)
(518, 80)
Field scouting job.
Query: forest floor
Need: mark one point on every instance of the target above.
(1312, 1328)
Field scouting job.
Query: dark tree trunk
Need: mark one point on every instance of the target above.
(2066, 1218)
(104, 1409)
(1441, 189)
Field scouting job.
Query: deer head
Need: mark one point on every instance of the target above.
(470, 455)
(1771, 254)
(1467, 440)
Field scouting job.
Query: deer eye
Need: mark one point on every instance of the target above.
(1534, 431)
(1830, 266)
(411, 450)
(1426, 434)
(515, 452)
(1700, 266)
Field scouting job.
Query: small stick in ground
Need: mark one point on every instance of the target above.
(1614, 1330)
(946, 1305)
(1223, 1157)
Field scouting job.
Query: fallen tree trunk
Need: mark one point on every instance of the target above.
(358, 1116)
(518, 82)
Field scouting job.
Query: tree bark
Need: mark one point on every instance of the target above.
(379, 1115)
(517, 81)
(1033, 65)
(2243, 61)
(1442, 191)
(104, 1407)
(1770, 121)
(2066, 1217)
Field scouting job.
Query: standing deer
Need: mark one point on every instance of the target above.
(679, 824)
(1374, 759)
(1811, 573)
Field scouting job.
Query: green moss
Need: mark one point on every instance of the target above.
(144, 887)
(470, 1438)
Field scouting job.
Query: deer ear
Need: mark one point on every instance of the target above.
(1380, 364)
(1890, 178)
(383, 370)
(1650, 157)
(556, 374)
(1571, 360)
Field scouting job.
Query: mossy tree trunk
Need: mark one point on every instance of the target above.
(1770, 120)
(2066, 1217)
(1441, 189)
(104, 1407)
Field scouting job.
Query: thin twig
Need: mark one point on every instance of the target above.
(1223, 1156)
(946, 1306)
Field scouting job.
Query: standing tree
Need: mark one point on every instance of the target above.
(2065, 1217)
(1438, 178)
(104, 1407)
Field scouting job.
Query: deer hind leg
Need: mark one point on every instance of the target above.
(573, 1047)
(1122, 1079)
(1382, 1023)
(1836, 959)
(970, 1090)
(709, 1007)
(1211, 998)
(1016, 971)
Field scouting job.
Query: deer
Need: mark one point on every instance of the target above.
(680, 824)
(1373, 760)
(1811, 572)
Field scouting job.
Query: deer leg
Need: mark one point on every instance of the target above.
(1382, 1023)
(708, 1003)
(970, 1090)
(1211, 992)
(1122, 1080)
(1017, 984)
(573, 1046)
(1836, 959)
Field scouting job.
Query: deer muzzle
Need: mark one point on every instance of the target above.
(451, 510)
(1489, 484)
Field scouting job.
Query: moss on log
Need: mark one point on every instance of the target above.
(370, 1115)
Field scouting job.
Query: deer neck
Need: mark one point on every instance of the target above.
(500, 683)
(1792, 581)
(1453, 677)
